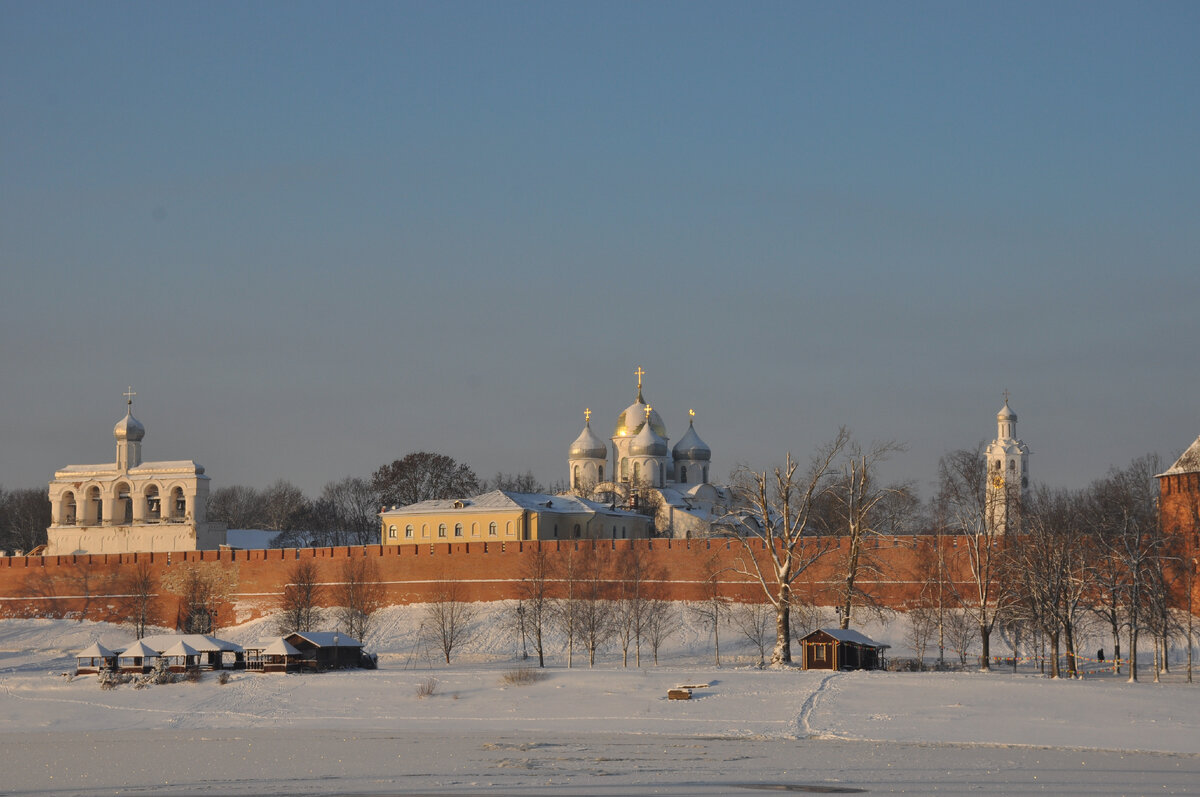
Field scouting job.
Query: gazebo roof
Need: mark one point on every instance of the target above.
(280, 647)
(95, 651)
(180, 648)
(139, 650)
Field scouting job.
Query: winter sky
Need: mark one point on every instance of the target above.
(315, 237)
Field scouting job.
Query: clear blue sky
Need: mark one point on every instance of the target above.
(315, 237)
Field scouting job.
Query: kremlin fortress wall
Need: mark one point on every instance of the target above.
(95, 586)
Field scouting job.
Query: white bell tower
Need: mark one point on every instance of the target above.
(1007, 461)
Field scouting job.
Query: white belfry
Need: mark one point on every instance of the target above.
(1007, 461)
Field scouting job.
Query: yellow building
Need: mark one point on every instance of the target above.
(503, 516)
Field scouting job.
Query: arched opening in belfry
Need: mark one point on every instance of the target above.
(123, 509)
(93, 506)
(178, 504)
(66, 509)
(153, 503)
(683, 474)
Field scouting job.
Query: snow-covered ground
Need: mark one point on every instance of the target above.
(608, 730)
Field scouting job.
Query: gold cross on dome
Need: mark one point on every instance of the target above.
(639, 373)
(1005, 395)
(129, 394)
(692, 413)
(587, 415)
(648, 408)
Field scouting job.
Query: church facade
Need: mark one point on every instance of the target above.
(130, 505)
(636, 467)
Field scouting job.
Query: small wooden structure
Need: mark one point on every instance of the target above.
(841, 649)
(325, 650)
(93, 659)
(137, 658)
(213, 653)
(182, 657)
(273, 654)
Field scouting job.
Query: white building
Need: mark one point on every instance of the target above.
(130, 505)
(1007, 461)
(637, 467)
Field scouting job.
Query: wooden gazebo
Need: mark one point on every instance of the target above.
(138, 657)
(841, 649)
(94, 658)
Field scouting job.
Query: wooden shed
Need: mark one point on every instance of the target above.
(841, 649)
(326, 650)
(272, 655)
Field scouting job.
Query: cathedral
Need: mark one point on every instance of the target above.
(637, 468)
(130, 505)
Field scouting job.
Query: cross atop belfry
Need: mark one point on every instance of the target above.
(129, 394)
(639, 373)
(1006, 395)
(587, 415)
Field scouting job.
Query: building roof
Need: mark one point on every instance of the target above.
(180, 648)
(201, 643)
(1189, 462)
(690, 446)
(164, 468)
(279, 647)
(95, 651)
(139, 650)
(849, 635)
(506, 499)
(326, 639)
(588, 445)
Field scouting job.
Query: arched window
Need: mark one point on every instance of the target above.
(93, 507)
(706, 474)
(123, 511)
(457, 529)
(576, 529)
(683, 474)
(637, 471)
(508, 529)
(153, 503)
(408, 531)
(424, 529)
(492, 529)
(575, 477)
(178, 504)
(391, 532)
(1012, 464)
(624, 470)
(474, 529)
(997, 465)
(662, 474)
(441, 529)
(67, 515)
(601, 473)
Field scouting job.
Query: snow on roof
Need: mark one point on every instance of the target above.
(507, 499)
(199, 642)
(180, 648)
(95, 651)
(852, 636)
(1188, 463)
(139, 650)
(328, 639)
(186, 466)
(279, 647)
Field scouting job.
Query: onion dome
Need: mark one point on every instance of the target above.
(648, 442)
(1006, 413)
(129, 427)
(588, 445)
(633, 418)
(691, 447)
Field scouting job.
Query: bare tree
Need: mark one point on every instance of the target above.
(963, 501)
(300, 599)
(283, 506)
(922, 622)
(422, 476)
(513, 482)
(358, 596)
(755, 621)
(449, 619)
(138, 587)
(237, 506)
(660, 622)
(536, 600)
(24, 518)
(203, 588)
(858, 503)
(781, 505)
(634, 593)
(597, 617)
(354, 506)
(960, 630)
(713, 609)
(567, 607)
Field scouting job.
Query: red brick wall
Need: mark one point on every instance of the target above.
(91, 586)
(1179, 513)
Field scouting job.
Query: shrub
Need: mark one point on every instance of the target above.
(193, 676)
(223, 677)
(522, 676)
(427, 687)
